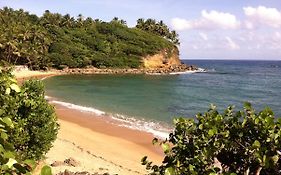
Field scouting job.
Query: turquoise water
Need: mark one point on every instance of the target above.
(160, 98)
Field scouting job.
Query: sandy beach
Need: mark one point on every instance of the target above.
(95, 142)
(98, 145)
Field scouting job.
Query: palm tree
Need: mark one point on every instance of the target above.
(140, 23)
(80, 20)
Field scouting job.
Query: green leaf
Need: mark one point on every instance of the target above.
(8, 91)
(170, 171)
(46, 170)
(257, 120)
(8, 122)
(13, 80)
(247, 106)
(191, 168)
(9, 155)
(256, 144)
(212, 173)
(165, 147)
(269, 120)
(1, 112)
(30, 163)
(212, 131)
(4, 136)
(11, 162)
(275, 159)
(15, 87)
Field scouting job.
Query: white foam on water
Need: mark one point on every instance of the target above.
(152, 127)
(77, 107)
(188, 72)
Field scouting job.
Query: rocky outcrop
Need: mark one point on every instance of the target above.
(165, 58)
(164, 62)
(160, 70)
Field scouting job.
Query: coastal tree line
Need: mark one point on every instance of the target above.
(56, 40)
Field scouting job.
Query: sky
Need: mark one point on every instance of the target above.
(208, 29)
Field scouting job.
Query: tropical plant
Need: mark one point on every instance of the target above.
(158, 28)
(10, 163)
(230, 143)
(55, 40)
(35, 122)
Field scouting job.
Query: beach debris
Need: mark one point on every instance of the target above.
(67, 172)
(71, 162)
(57, 163)
(67, 162)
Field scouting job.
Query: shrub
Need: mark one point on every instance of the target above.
(243, 142)
(35, 126)
(8, 163)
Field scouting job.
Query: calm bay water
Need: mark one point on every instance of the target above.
(157, 98)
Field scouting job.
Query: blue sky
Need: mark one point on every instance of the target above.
(219, 29)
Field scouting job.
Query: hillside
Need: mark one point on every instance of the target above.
(55, 40)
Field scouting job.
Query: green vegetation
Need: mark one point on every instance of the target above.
(34, 120)
(244, 143)
(8, 162)
(158, 28)
(27, 125)
(54, 40)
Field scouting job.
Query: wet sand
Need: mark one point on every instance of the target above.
(96, 142)
(119, 149)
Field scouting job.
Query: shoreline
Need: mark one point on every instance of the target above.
(167, 70)
(121, 147)
(94, 142)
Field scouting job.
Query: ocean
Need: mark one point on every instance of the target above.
(150, 102)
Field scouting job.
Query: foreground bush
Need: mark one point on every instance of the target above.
(10, 164)
(35, 126)
(243, 142)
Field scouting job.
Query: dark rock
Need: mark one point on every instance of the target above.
(67, 172)
(57, 163)
(71, 162)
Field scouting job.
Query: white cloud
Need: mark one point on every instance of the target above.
(220, 19)
(277, 35)
(262, 16)
(208, 20)
(256, 35)
(204, 36)
(231, 44)
(195, 47)
(180, 24)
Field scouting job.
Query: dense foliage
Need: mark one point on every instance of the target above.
(8, 163)
(158, 28)
(243, 142)
(35, 126)
(56, 40)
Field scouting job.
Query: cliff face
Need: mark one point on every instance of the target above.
(162, 59)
